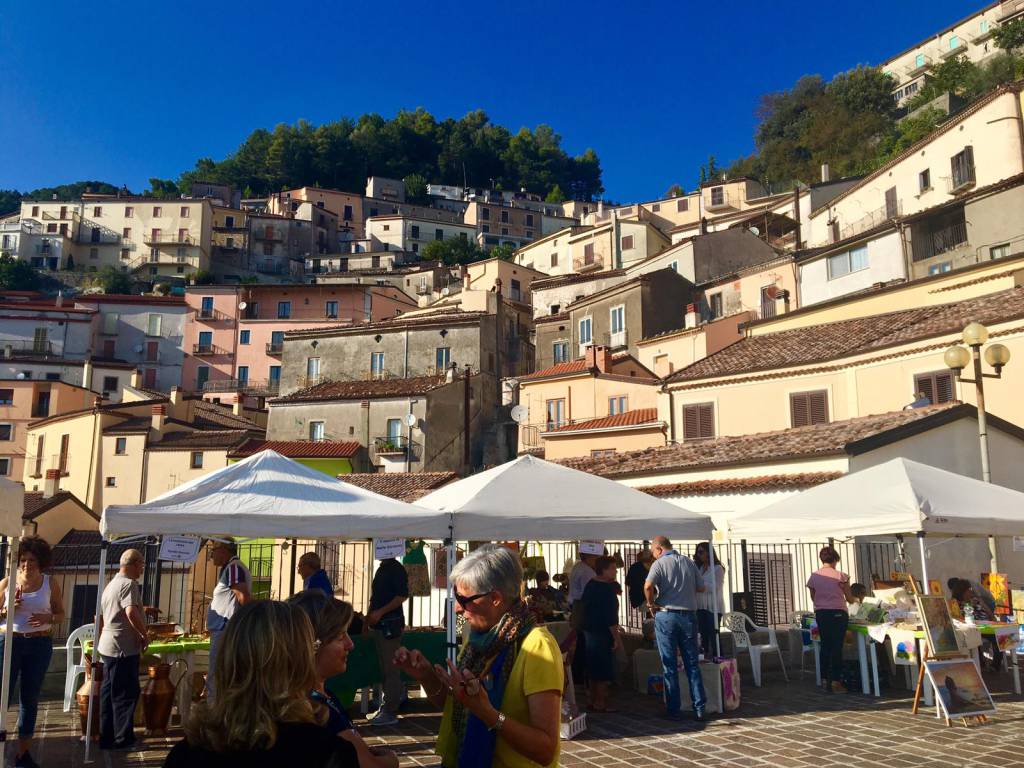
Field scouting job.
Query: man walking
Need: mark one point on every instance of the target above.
(122, 640)
(388, 591)
(582, 573)
(313, 575)
(671, 591)
(233, 590)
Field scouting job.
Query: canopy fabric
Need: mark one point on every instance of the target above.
(898, 497)
(269, 495)
(12, 507)
(529, 498)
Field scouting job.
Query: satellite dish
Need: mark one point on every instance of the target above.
(755, 231)
(21, 375)
(242, 305)
(511, 383)
(410, 419)
(138, 348)
(520, 413)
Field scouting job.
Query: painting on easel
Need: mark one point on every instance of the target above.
(943, 639)
(959, 688)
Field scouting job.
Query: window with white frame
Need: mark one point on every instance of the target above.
(847, 262)
(999, 251)
(376, 364)
(5, 466)
(586, 326)
(560, 352)
(6, 432)
(616, 405)
(154, 324)
(316, 430)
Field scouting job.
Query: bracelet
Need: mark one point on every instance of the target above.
(498, 723)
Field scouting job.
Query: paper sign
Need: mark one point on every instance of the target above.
(179, 549)
(1018, 543)
(591, 547)
(385, 548)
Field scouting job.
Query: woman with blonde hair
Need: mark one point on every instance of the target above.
(262, 716)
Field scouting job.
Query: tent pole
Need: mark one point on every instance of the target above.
(95, 645)
(12, 585)
(714, 596)
(449, 603)
(924, 562)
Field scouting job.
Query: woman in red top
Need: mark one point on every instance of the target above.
(830, 593)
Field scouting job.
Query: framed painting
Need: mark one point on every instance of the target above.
(943, 640)
(959, 688)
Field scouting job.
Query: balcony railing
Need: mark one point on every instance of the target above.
(255, 387)
(391, 445)
(913, 69)
(871, 220)
(275, 349)
(587, 264)
(941, 241)
(213, 316)
(962, 181)
(310, 381)
(726, 199)
(1010, 8)
(167, 238)
(24, 348)
(618, 338)
(207, 350)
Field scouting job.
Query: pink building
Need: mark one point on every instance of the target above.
(26, 400)
(234, 335)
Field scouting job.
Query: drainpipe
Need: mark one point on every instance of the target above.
(405, 355)
(465, 423)
(905, 252)
(671, 413)
(408, 443)
(796, 215)
(616, 247)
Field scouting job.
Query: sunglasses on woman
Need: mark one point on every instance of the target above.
(465, 600)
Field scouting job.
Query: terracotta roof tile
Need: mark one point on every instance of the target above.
(364, 389)
(559, 369)
(831, 341)
(207, 414)
(759, 484)
(637, 418)
(36, 504)
(81, 549)
(299, 449)
(559, 280)
(404, 486)
(800, 442)
(200, 439)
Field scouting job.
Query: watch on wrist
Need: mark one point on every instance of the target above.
(498, 723)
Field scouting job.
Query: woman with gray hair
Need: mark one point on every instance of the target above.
(502, 701)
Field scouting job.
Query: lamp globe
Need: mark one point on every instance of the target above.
(975, 334)
(957, 358)
(997, 355)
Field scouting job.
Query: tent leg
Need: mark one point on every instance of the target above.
(12, 585)
(95, 645)
(449, 603)
(714, 598)
(924, 562)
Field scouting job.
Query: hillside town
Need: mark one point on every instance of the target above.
(721, 350)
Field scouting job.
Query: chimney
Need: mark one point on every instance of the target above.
(60, 299)
(97, 401)
(159, 416)
(465, 277)
(176, 399)
(704, 225)
(136, 381)
(691, 319)
(51, 484)
(87, 373)
(600, 357)
(825, 174)
(236, 406)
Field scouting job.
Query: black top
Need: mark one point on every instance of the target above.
(299, 744)
(600, 605)
(390, 581)
(635, 578)
(337, 718)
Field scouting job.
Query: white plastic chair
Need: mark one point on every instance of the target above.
(806, 644)
(76, 668)
(737, 623)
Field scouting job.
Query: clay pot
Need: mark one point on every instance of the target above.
(158, 700)
(92, 681)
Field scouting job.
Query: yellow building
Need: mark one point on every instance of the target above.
(611, 245)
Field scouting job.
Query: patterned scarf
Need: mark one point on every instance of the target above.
(478, 656)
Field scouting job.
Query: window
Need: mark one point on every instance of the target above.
(414, 231)
(244, 337)
(110, 320)
(35, 211)
(616, 405)
(202, 376)
(111, 482)
(205, 341)
(158, 211)
(599, 453)
(268, 248)
(718, 195)
(6, 432)
(555, 413)
(999, 251)
(182, 235)
(504, 217)
(331, 309)
(504, 230)
(197, 460)
(938, 269)
(439, 234)
(126, 233)
(184, 211)
(954, 42)
(588, 253)
(347, 213)
(376, 364)
(154, 323)
(94, 253)
(962, 164)
(274, 376)
(121, 446)
(586, 326)
(983, 26)
(892, 206)
(937, 386)
(919, 60)
(277, 340)
(529, 219)
(243, 375)
(442, 358)
(627, 243)
(65, 440)
(485, 228)
(394, 432)
(313, 367)
(844, 263)
(485, 214)
(698, 421)
(674, 266)
(6, 397)
(715, 305)
(682, 205)
(5, 467)
(560, 352)
(207, 306)
(516, 291)
(51, 228)
(924, 180)
(125, 255)
(284, 310)
(806, 408)
(110, 383)
(387, 227)
(554, 259)
(618, 318)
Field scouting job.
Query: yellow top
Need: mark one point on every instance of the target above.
(537, 668)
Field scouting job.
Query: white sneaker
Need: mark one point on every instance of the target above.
(380, 717)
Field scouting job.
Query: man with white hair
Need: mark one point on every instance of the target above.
(122, 640)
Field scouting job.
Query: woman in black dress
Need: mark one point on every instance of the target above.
(602, 631)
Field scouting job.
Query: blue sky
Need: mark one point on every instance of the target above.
(121, 92)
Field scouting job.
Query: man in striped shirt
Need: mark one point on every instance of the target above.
(234, 589)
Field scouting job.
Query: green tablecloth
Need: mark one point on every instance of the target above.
(174, 646)
(364, 665)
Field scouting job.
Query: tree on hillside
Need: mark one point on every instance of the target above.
(455, 250)
(114, 280)
(556, 195)
(505, 252)
(676, 190)
(709, 171)
(10, 200)
(416, 189)
(1010, 35)
(164, 189)
(17, 275)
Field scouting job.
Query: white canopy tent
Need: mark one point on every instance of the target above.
(12, 506)
(899, 497)
(529, 498)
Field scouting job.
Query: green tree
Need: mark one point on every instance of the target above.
(1010, 35)
(556, 195)
(164, 189)
(17, 275)
(114, 280)
(505, 252)
(203, 277)
(416, 189)
(10, 200)
(455, 250)
(676, 190)
(710, 171)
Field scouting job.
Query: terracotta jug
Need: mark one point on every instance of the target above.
(93, 679)
(158, 699)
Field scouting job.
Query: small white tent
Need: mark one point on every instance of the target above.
(12, 506)
(272, 496)
(898, 497)
(529, 498)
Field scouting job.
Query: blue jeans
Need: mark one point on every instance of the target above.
(678, 630)
(30, 658)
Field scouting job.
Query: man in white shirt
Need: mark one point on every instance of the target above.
(234, 589)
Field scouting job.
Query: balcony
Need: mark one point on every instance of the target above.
(961, 181)
(310, 381)
(423, 290)
(208, 350)
(392, 445)
(1008, 9)
(229, 230)
(211, 316)
(167, 238)
(25, 348)
(275, 349)
(914, 68)
(872, 219)
(254, 387)
(949, 53)
(721, 199)
(618, 338)
(270, 236)
(588, 263)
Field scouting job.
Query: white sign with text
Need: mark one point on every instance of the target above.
(179, 549)
(385, 548)
(591, 547)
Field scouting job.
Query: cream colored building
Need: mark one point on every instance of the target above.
(612, 245)
(413, 233)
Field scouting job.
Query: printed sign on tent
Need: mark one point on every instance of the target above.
(1018, 543)
(591, 547)
(385, 548)
(179, 549)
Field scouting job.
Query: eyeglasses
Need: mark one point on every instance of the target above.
(465, 600)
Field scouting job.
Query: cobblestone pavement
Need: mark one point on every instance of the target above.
(790, 725)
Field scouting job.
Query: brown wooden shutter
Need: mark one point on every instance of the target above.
(817, 407)
(937, 387)
(707, 420)
(926, 386)
(944, 387)
(691, 422)
(799, 409)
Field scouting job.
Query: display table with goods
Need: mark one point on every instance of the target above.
(721, 680)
